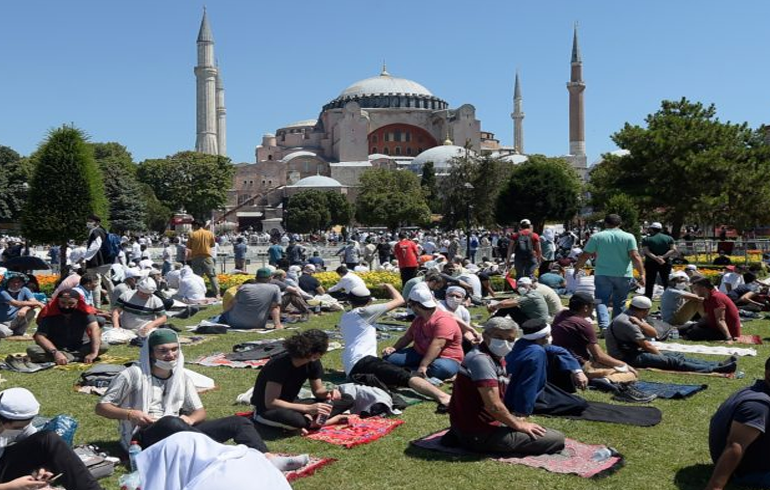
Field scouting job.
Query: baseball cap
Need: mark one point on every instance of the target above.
(423, 296)
(679, 275)
(525, 222)
(264, 272)
(524, 281)
(641, 302)
(309, 268)
(147, 285)
(655, 226)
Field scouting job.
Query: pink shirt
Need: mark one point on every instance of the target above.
(441, 325)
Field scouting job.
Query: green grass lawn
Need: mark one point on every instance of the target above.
(673, 454)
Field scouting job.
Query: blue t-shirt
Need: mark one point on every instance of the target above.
(552, 280)
(7, 311)
(239, 250)
(275, 253)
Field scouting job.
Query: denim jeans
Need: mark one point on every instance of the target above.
(610, 287)
(673, 361)
(440, 368)
(754, 480)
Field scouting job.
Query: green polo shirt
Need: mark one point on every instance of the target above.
(612, 247)
(658, 244)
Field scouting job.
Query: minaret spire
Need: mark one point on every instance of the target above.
(206, 91)
(518, 117)
(221, 116)
(576, 87)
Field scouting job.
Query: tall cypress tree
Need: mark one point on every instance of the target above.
(128, 208)
(66, 188)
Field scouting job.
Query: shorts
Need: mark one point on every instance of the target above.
(388, 373)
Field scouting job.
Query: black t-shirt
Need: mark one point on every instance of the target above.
(66, 331)
(281, 370)
(308, 283)
(749, 406)
(281, 285)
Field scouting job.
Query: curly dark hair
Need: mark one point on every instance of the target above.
(304, 344)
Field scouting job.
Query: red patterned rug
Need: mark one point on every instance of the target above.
(749, 339)
(576, 458)
(309, 469)
(356, 432)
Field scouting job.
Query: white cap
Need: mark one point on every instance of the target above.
(524, 281)
(655, 226)
(18, 404)
(309, 268)
(132, 272)
(294, 268)
(525, 222)
(147, 285)
(423, 296)
(679, 275)
(641, 302)
(691, 267)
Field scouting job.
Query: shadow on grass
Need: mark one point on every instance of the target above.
(693, 477)
(269, 433)
(428, 455)
(112, 448)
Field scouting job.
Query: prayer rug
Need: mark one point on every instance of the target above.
(219, 359)
(712, 375)
(576, 458)
(668, 391)
(716, 350)
(617, 414)
(314, 465)
(194, 340)
(356, 432)
(749, 339)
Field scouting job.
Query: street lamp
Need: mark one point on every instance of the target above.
(469, 189)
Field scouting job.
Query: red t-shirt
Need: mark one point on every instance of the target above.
(535, 236)
(441, 325)
(406, 253)
(718, 300)
(467, 413)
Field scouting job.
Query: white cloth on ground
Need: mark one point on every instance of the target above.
(716, 350)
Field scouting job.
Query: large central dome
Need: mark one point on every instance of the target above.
(388, 92)
(385, 84)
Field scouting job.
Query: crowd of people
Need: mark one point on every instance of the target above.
(532, 356)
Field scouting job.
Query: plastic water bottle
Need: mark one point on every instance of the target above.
(133, 451)
(602, 454)
(322, 418)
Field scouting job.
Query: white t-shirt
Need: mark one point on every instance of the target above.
(347, 283)
(192, 288)
(733, 279)
(461, 312)
(474, 281)
(172, 278)
(359, 334)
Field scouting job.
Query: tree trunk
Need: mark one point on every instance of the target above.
(676, 225)
(63, 262)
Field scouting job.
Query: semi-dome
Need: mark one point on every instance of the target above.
(377, 156)
(296, 154)
(317, 181)
(302, 124)
(441, 156)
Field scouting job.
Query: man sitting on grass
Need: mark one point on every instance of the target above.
(722, 320)
(528, 305)
(677, 305)
(254, 304)
(479, 419)
(348, 281)
(360, 336)
(17, 305)
(67, 331)
(628, 339)
(738, 437)
(140, 310)
(280, 381)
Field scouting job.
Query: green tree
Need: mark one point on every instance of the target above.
(428, 184)
(157, 214)
(15, 173)
(486, 175)
(308, 211)
(488, 182)
(540, 189)
(391, 198)
(341, 211)
(687, 164)
(128, 207)
(66, 188)
(625, 207)
(194, 181)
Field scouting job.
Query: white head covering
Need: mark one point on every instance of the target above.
(549, 234)
(456, 289)
(18, 404)
(147, 285)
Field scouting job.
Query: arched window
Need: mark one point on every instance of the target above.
(374, 150)
(386, 151)
(270, 157)
(398, 150)
(409, 150)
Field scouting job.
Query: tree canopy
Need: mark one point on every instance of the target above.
(194, 181)
(15, 173)
(429, 187)
(66, 188)
(487, 177)
(540, 189)
(391, 198)
(686, 164)
(307, 211)
(128, 205)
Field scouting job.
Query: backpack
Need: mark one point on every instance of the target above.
(523, 246)
(110, 247)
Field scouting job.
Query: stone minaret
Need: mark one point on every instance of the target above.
(518, 118)
(577, 138)
(221, 116)
(206, 81)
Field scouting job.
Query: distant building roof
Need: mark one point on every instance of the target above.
(317, 181)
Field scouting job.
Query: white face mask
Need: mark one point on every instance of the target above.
(500, 347)
(681, 285)
(453, 303)
(522, 290)
(12, 436)
(167, 365)
(14, 290)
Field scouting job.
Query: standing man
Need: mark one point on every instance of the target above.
(408, 256)
(239, 251)
(615, 251)
(526, 245)
(383, 251)
(96, 261)
(274, 253)
(657, 248)
(200, 243)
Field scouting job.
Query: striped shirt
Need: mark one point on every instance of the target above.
(137, 311)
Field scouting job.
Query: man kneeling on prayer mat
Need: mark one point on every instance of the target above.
(739, 437)
(543, 376)
(628, 339)
(30, 459)
(157, 398)
(479, 419)
(67, 331)
(573, 331)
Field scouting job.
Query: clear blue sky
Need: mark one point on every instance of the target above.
(123, 71)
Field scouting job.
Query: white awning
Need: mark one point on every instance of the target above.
(249, 214)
